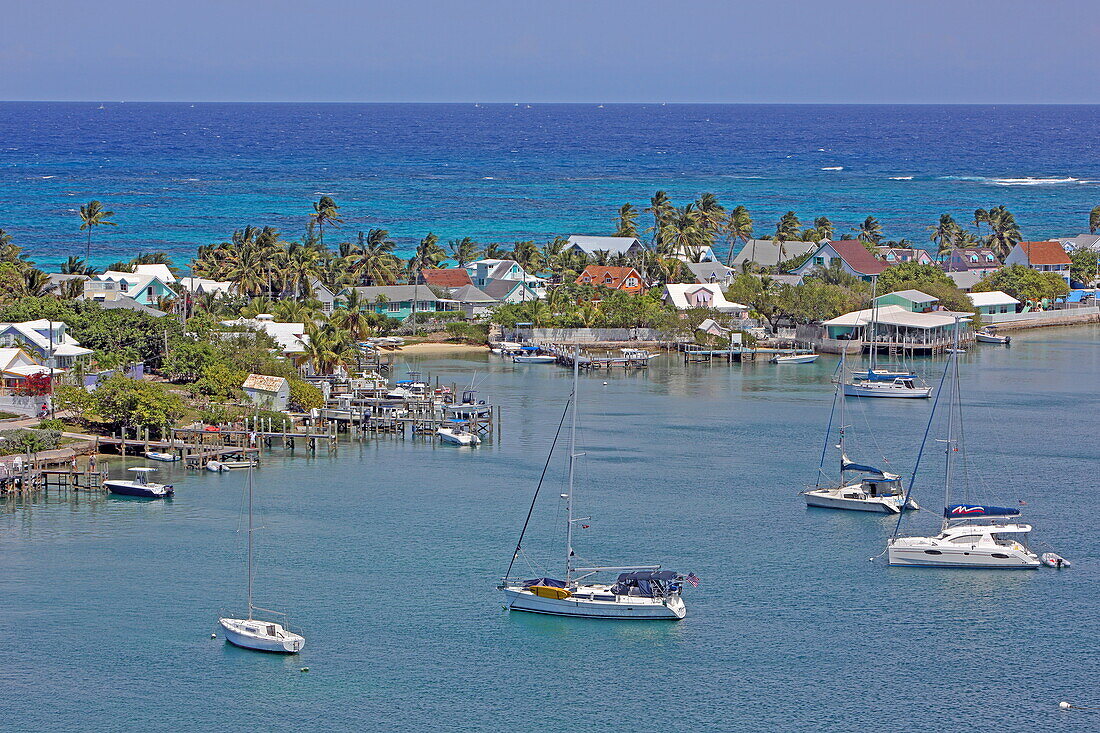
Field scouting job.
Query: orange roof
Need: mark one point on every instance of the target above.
(450, 277)
(610, 277)
(1044, 253)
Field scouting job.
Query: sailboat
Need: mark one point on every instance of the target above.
(874, 491)
(640, 592)
(880, 382)
(254, 633)
(972, 535)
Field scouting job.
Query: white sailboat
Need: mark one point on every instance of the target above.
(640, 592)
(972, 535)
(254, 633)
(879, 382)
(874, 491)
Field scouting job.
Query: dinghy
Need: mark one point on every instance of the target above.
(153, 455)
(794, 358)
(1054, 560)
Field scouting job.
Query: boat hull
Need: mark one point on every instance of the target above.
(874, 390)
(879, 504)
(905, 552)
(237, 633)
(805, 359)
(534, 359)
(165, 457)
(627, 609)
(985, 338)
(146, 491)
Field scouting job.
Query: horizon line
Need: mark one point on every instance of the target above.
(557, 102)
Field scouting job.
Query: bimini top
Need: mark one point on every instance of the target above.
(643, 583)
(848, 465)
(648, 575)
(968, 511)
(550, 582)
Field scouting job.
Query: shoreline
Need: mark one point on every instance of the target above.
(436, 347)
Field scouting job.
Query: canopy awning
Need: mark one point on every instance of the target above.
(967, 511)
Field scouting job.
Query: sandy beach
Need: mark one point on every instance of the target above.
(441, 348)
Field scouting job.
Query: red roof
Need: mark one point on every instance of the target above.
(611, 277)
(1044, 253)
(451, 277)
(858, 258)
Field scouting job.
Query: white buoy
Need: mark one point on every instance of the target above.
(1064, 705)
(213, 636)
(605, 384)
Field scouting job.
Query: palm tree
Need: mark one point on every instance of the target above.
(712, 215)
(325, 211)
(374, 261)
(93, 215)
(738, 226)
(328, 348)
(35, 283)
(661, 209)
(980, 216)
(494, 252)
(945, 234)
(71, 289)
(353, 315)
(870, 231)
(527, 254)
(76, 266)
(1004, 231)
(824, 227)
(684, 234)
(1094, 220)
(627, 221)
(429, 255)
(463, 251)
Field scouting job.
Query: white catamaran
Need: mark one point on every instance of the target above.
(874, 491)
(972, 535)
(640, 592)
(254, 633)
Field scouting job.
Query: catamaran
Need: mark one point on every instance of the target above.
(874, 491)
(254, 633)
(876, 381)
(971, 535)
(639, 592)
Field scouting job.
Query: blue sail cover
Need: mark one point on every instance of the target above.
(847, 465)
(966, 511)
(551, 582)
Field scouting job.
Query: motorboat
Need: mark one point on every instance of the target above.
(251, 632)
(139, 485)
(457, 434)
(794, 358)
(638, 354)
(217, 466)
(875, 490)
(971, 535)
(988, 335)
(531, 355)
(902, 387)
(153, 455)
(641, 592)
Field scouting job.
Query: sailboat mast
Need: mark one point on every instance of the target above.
(874, 314)
(954, 396)
(843, 416)
(250, 543)
(572, 461)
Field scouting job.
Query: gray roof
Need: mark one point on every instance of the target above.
(707, 272)
(767, 253)
(471, 294)
(965, 280)
(396, 293)
(56, 278)
(1081, 241)
(127, 303)
(613, 245)
(914, 296)
(785, 279)
(501, 289)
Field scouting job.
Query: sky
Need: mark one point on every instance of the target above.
(831, 51)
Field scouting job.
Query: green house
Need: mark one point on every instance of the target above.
(913, 301)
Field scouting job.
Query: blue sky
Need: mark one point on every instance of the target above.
(845, 51)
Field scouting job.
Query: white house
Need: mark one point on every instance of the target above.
(145, 287)
(483, 272)
(993, 302)
(48, 342)
(1041, 257)
(197, 285)
(271, 393)
(510, 291)
(587, 245)
(291, 338)
(701, 295)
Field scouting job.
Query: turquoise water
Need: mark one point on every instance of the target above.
(180, 175)
(387, 554)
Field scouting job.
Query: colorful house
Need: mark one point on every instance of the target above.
(993, 302)
(913, 301)
(701, 295)
(48, 342)
(979, 259)
(484, 272)
(146, 288)
(897, 255)
(401, 301)
(626, 279)
(1041, 257)
(852, 256)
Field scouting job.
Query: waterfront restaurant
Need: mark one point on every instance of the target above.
(898, 327)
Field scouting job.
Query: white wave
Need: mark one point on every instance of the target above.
(901, 178)
(833, 168)
(487, 178)
(1025, 181)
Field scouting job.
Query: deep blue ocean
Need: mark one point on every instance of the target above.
(180, 175)
(387, 554)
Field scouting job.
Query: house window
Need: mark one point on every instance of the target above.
(608, 280)
(820, 261)
(395, 307)
(631, 282)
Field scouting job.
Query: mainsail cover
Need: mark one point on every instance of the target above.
(846, 464)
(966, 511)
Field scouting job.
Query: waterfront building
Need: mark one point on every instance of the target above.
(702, 295)
(853, 257)
(993, 302)
(47, 341)
(626, 279)
(769, 253)
(401, 301)
(913, 301)
(1042, 257)
(896, 326)
(267, 392)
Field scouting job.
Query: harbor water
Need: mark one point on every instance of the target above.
(387, 554)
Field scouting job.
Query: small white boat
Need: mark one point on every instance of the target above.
(903, 387)
(638, 354)
(534, 359)
(1054, 560)
(794, 358)
(153, 455)
(139, 486)
(216, 466)
(457, 435)
(254, 633)
(989, 336)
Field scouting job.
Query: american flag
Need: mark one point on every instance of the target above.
(693, 579)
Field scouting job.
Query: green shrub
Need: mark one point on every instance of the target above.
(51, 424)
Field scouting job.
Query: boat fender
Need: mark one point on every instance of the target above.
(1064, 705)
